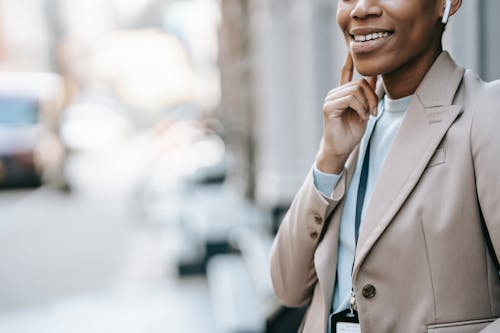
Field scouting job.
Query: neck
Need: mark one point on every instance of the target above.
(404, 80)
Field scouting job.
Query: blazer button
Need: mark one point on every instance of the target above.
(313, 235)
(369, 291)
(318, 219)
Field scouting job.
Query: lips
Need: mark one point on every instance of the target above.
(371, 36)
(366, 40)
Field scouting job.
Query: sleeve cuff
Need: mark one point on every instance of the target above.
(325, 182)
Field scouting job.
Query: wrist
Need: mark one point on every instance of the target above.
(330, 163)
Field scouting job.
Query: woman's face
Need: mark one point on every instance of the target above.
(386, 35)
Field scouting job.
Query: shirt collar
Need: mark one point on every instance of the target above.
(397, 105)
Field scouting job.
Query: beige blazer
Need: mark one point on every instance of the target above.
(422, 264)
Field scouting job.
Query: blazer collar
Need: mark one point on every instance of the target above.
(441, 82)
(438, 86)
(426, 122)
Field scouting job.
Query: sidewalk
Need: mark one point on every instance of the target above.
(145, 300)
(87, 262)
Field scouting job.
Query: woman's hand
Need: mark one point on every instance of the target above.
(345, 115)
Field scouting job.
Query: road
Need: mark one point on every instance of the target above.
(88, 261)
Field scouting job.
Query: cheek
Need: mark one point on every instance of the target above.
(418, 34)
(342, 17)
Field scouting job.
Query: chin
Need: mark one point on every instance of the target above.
(368, 71)
(369, 68)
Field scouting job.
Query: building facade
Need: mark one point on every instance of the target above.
(291, 52)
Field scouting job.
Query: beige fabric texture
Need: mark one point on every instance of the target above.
(421, 243)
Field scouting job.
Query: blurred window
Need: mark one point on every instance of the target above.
(18, 111)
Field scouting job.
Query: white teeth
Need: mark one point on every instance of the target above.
(372, 36)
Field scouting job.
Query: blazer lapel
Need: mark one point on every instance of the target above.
(427, 120)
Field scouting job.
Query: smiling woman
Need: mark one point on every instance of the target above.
(396, 227)
(412, 40)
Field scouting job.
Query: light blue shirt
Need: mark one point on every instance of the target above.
(382, 130)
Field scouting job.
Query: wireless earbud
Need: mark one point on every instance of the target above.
(447, 9)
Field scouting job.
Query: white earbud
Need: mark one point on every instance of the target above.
(447, 9)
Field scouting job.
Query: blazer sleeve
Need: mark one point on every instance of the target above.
(485, 143)
(292, 256)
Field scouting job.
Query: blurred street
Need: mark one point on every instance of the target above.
(150, 148)
(87, 261)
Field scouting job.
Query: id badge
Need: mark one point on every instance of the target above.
(348, 328)
(344, 322)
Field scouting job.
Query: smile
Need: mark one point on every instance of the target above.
(371, 36)
(370, 42)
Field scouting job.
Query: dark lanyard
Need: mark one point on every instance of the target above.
(360, 200)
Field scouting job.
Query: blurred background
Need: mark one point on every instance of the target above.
(149, 149)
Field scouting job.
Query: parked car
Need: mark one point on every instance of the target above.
(19, 131)
(30, 151)
(93, 125)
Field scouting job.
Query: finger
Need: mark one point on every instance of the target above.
(362, 90)
(345, 89)
(356, 90)
(372, 81)
(339, 106)
(347, 70)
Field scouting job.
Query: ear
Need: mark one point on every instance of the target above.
(455, 5)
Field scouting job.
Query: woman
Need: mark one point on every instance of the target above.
(398, 223)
